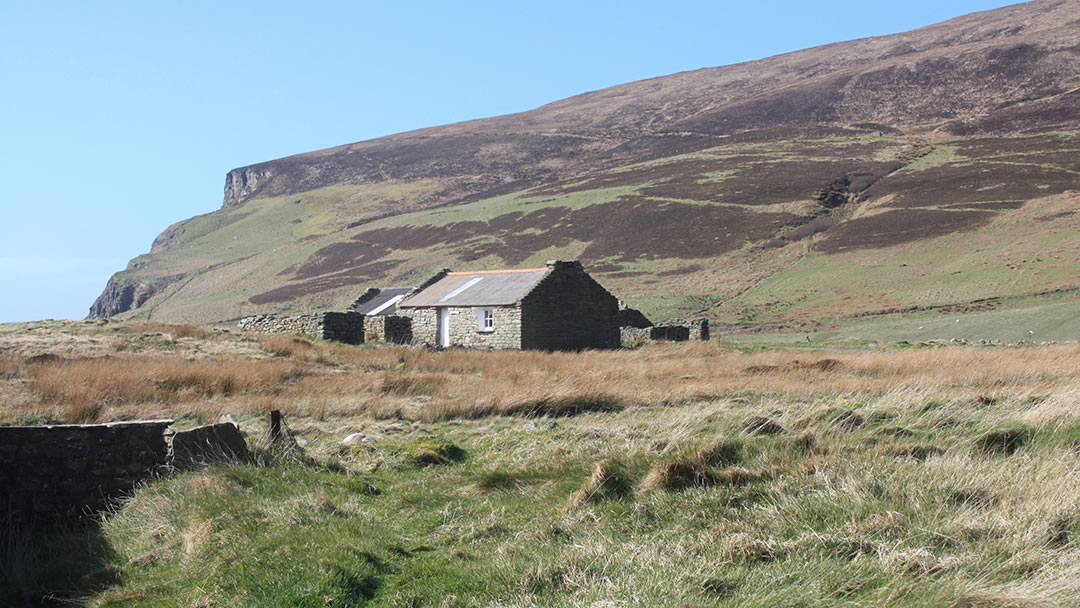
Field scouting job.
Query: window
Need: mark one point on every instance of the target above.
(485, 319)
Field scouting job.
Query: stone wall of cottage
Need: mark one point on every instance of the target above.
(346, 327)
(464, 328)
(699, 329)
(568, 310)
(68, 472)
(465, 331)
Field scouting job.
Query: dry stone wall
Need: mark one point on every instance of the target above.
(68, 472)
(669, 333)
(696, 329)
(346, 327)
(207, 444)
(395, 329)
(424, 323)
(673, 330)
(635, 335)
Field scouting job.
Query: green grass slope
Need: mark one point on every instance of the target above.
(646, 508)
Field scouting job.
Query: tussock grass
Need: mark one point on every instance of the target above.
(700, 469)
(588, 512)
(1003, 441)
(608, 481)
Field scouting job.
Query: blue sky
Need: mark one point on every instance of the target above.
(121, 118)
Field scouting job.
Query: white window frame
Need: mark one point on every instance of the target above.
(485, 319)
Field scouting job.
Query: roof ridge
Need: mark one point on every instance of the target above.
(508, 271)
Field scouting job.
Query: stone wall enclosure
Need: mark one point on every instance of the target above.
(69, 472)
(672, 330)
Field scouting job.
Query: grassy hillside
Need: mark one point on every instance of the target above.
(735, 232)
(691, 475)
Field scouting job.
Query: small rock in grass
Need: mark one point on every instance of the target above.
(358, 438)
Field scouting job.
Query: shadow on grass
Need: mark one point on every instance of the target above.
(51, 563)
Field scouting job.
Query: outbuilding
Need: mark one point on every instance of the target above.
(556, 307)
(379, 307)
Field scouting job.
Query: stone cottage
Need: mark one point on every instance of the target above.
(557, 307)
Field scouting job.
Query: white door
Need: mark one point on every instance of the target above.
(444, 327)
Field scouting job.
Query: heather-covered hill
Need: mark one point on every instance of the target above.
(925, 169)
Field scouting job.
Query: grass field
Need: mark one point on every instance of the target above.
(670, 475)
(1037, 319)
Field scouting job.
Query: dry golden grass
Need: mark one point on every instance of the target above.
(286, 346)
(83, 389)
(319, 380)
(176, 330)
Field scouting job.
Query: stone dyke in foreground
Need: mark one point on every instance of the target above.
(71, 471)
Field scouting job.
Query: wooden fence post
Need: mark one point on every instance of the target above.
(275, 425)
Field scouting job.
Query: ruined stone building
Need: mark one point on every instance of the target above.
(379, 307)
(557, 307)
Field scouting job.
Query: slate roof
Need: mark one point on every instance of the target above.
(480, 288)
(382, 303)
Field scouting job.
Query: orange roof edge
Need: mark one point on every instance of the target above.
(497, 271)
